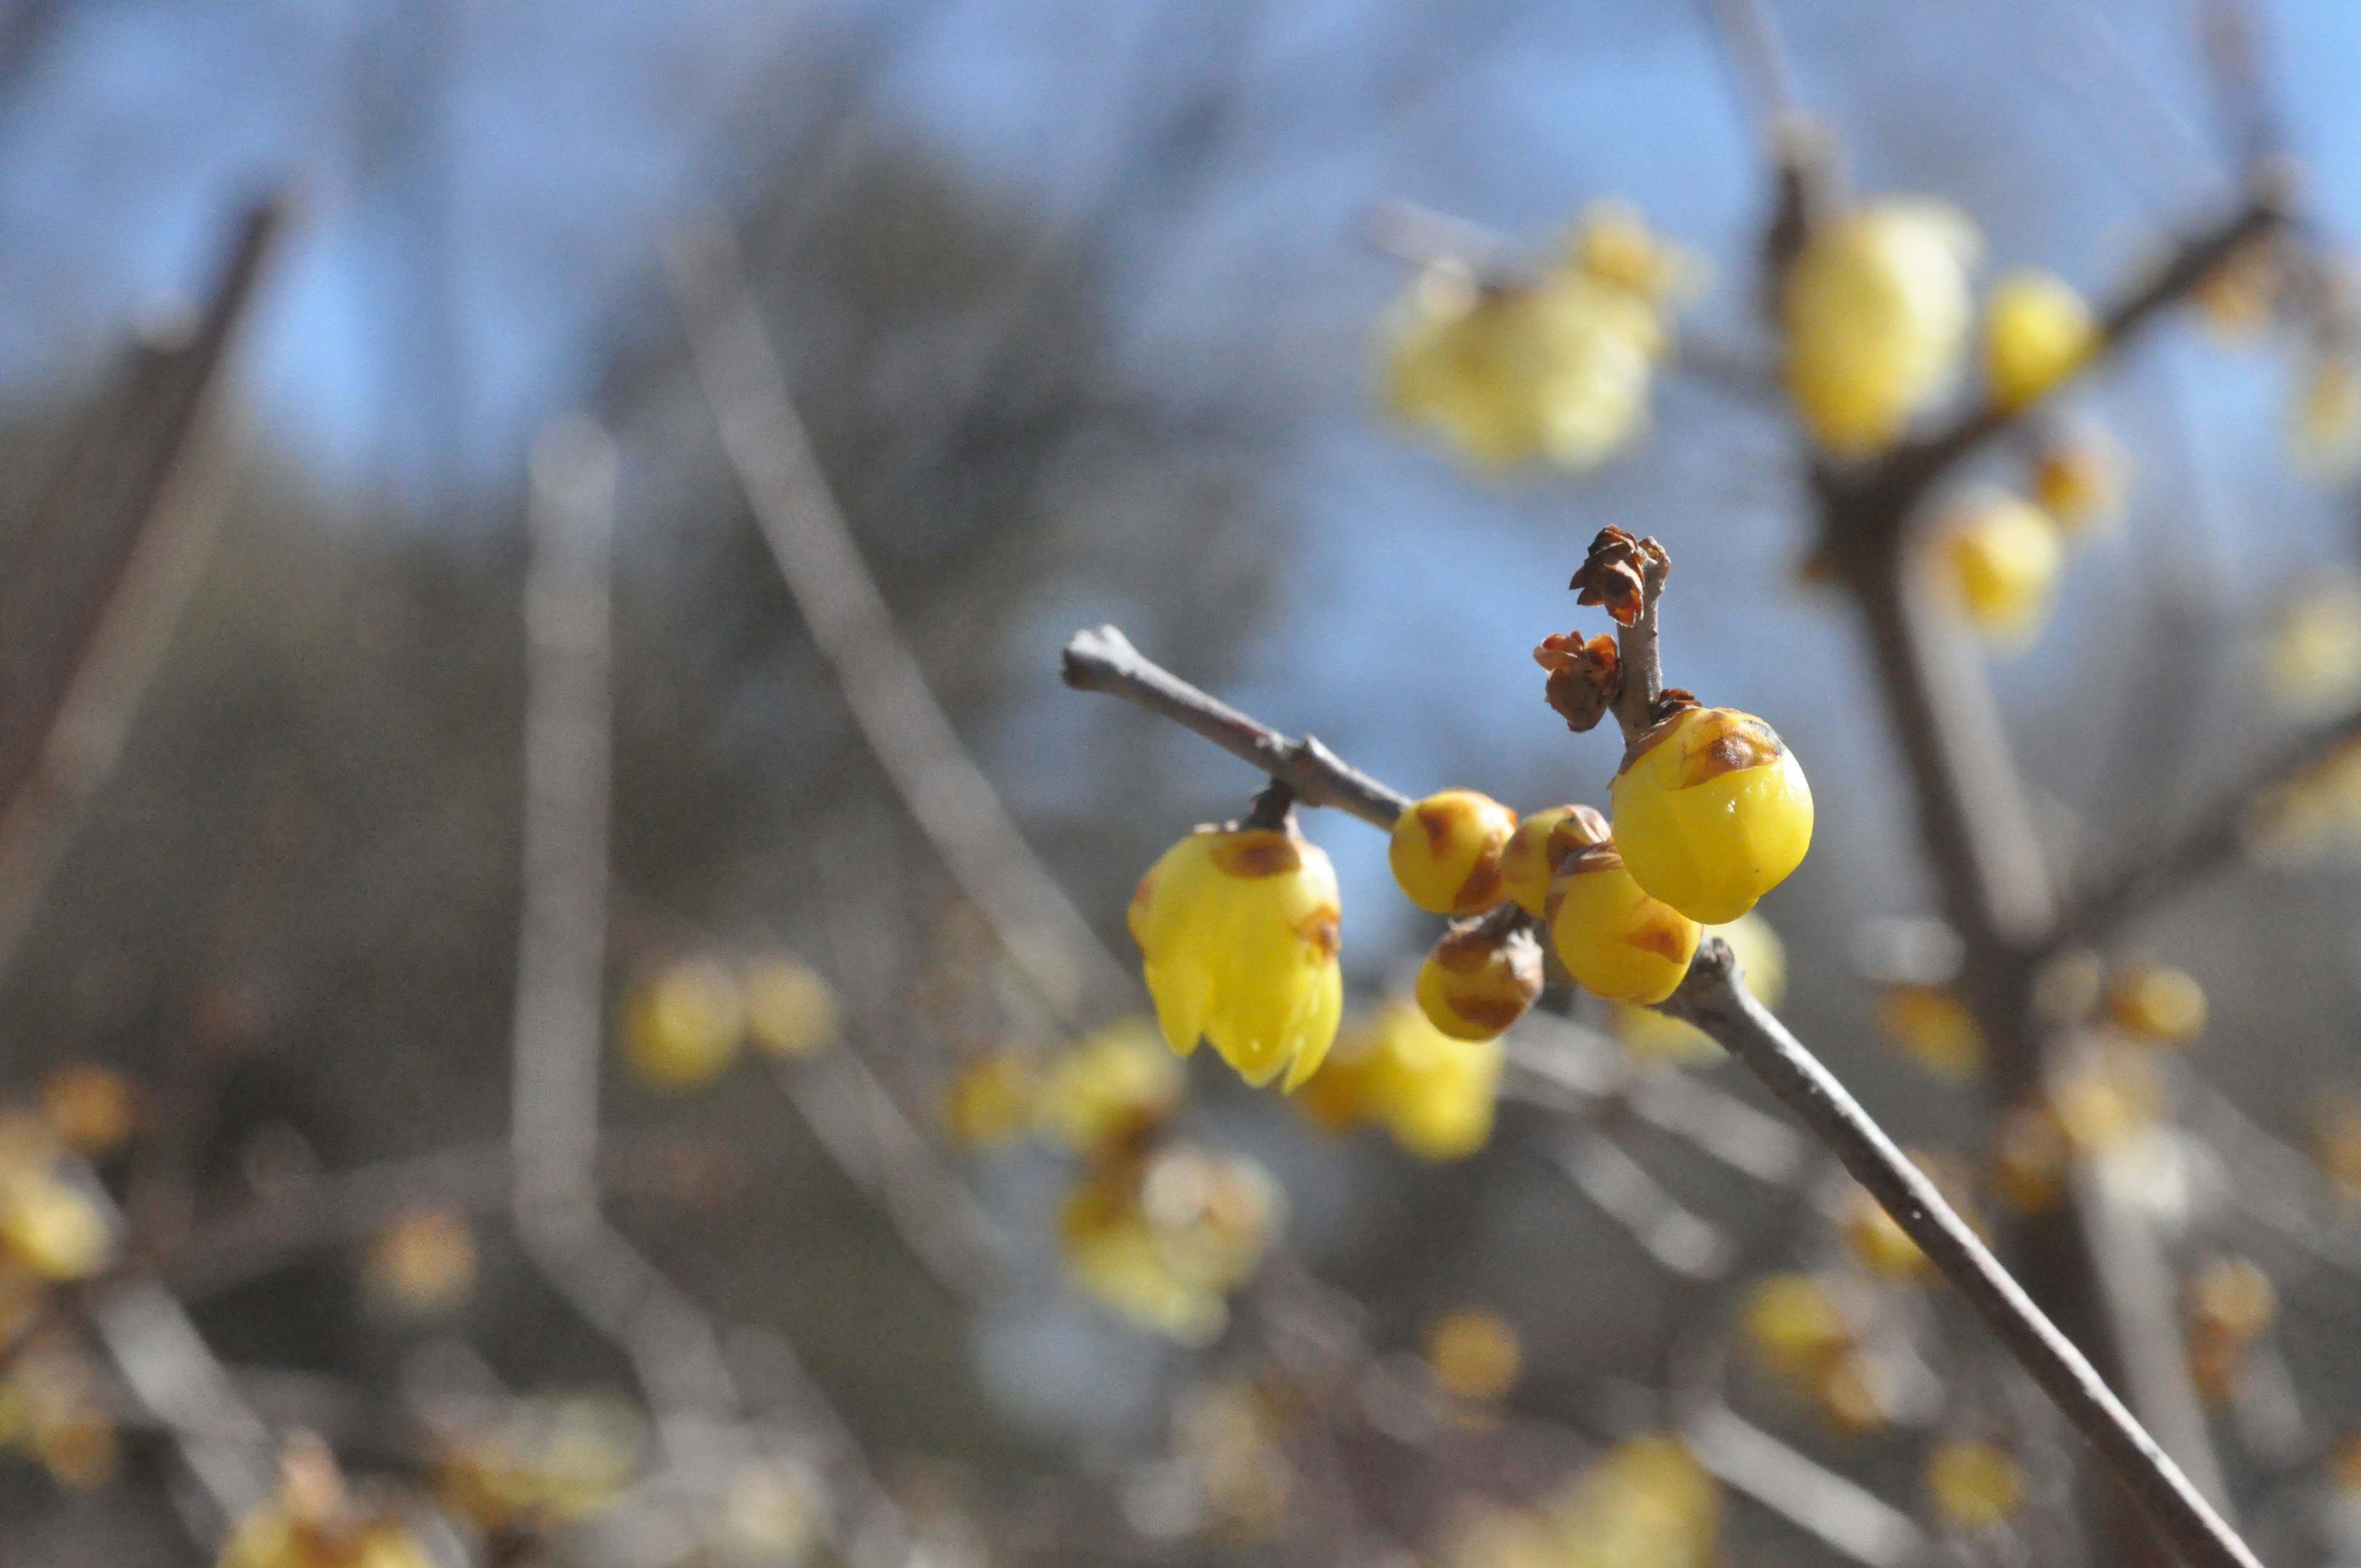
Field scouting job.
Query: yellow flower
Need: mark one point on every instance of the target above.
(2037, 332)
(2078, 479)
(1876, 310)
(423, 1262)
(1164, 1244)
(1933, 1028)
(1542, 844)
(1616, 940)
(1446, 851)
(313, 1522)
(1762, 963)
(548, 1459)
(1240, 929)
(88, 1107)
(991, 1099)
(2004, 556)
(2325, 427)
(2233, 1297)
(1108, 1089)
(52, 1217)
(2153, 1001)
(1792, 1327)
(1648, 1504)
(686, 1025)
(1474, 1353)
(1975, 1485)
(790, 1010)
(2311, 666)
(1615, 245)
(1711, 812)
(1433, 1094)
(1479, 979)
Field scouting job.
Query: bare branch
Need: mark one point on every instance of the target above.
(1715, 999)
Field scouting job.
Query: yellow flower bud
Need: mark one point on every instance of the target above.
(1479, 979)
(1876, 310)
(2037, 332)
(1975, 1485)
(2106, 1105)
(52, 1217)
(2079, 480)
(1792, 1325)
(1711, 812)
(1615, 940)
(1646, 1504)
(2153, 1001)
(1474, 1353)
(1433, 1094)
(2232, 1298)
(1543, 842)
(1446, 851)
(2004, 556)
(1762, 961)
(1239, 930)
(791, 1011)
(1108, 1089)
(423, 1262)
(1933, 1028)
(684, 1026)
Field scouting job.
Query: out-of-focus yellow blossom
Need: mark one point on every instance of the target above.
(1877, 309)
(2236, 301)
(423, 1262)
(2003, 556)
(1395, 1070)
(1447, 850)
(990, 1100)
(50, 1411)
(1712, 811)
(2030, 1151)
(2325, 429)
(1558, 369)
(2079, 478)
(2037, 332)
(1108, 1089)
(1239, 927)
(2311, 665)
(1479, 979)
(88, 1107)
(1616, 940)
(1762, 963)
(1474, 1353)
(771, 1510)
(1792, 1327)
(2103, 1105)
(1165, 1243)
(2314, 815)
(52, 1216)
(684, 1024)
(1933, 1028)
(2336, 1146)
(1646, 1504)
(2154, 1001)
(1855, 1392)
(311, 1521)
(549, 1461)
(2231, 1304)
(1975, 1485)
(791, 1011)
(1540, 848)
(1230, 1435)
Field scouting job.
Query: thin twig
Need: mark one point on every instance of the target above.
(953, 802)
(1713, 999)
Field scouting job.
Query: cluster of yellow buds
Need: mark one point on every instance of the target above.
(1646, 1503)
(1395, 1070)
(1554, 367)
(2230, 1305)
(687, 1021)
(1975, 1486)
(1163, 1238)
(315, 1520)
(543, 1463)
(1876, 308)
(1239, 927)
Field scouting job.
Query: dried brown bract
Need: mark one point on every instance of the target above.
(1585, 678)
(1620, 572)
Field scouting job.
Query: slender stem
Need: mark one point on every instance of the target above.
(1714, 1000)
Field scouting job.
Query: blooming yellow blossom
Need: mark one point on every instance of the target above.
(1240, 929)
(1712, 811)
(1108, 1089)
(1877, 309)
(686, 1025)
(1975, 1485)
(1434, 1095)
(791, 1011)
(2037, 332)
(2003, 556)
(1164, 1242)
(1762, 961)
